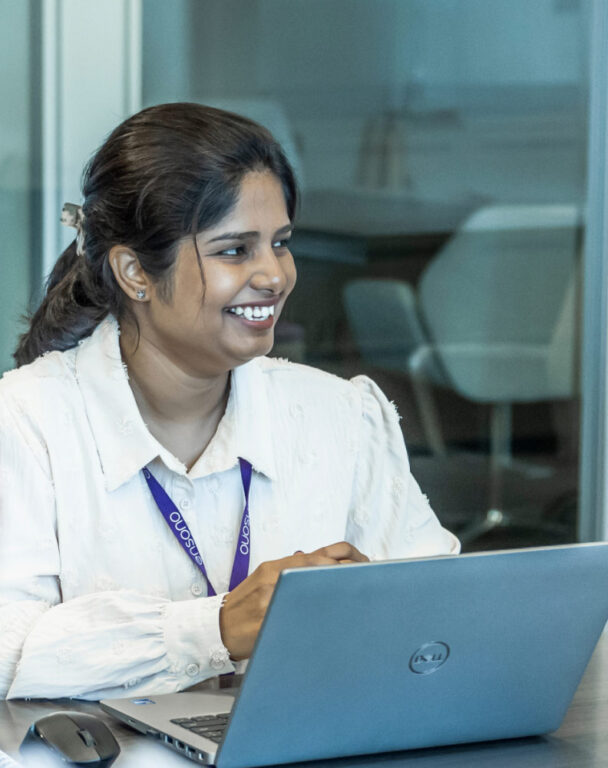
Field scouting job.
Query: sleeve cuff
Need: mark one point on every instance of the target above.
(194, 643)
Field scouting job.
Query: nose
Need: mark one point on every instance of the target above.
(268, 271)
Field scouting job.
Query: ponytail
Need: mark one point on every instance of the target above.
(68, 312)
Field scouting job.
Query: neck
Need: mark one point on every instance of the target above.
(181, 410)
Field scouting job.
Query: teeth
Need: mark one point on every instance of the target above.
(254, 313)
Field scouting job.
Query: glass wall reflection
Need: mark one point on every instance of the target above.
(441, 150)
(440, 147)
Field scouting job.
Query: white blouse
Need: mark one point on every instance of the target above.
(96, 595)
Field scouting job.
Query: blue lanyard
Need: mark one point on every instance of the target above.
(180, 530)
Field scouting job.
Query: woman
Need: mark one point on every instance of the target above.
(145, 422)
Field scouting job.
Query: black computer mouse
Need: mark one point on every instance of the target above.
(72, 738)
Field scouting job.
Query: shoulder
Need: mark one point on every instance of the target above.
(30, 393)
(294, 381)
(303, 380)
(54, 369)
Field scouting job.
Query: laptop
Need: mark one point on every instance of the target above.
(377, 657)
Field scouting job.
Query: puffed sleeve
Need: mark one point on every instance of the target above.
(96, 645)
(389, 516)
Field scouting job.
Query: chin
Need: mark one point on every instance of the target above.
(259, 351)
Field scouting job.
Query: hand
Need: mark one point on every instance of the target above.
(244, 608)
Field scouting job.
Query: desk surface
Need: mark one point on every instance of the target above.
(581, 742)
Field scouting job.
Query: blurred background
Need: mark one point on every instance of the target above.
(442, 152)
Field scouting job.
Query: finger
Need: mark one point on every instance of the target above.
(304, 560)
(342, 550)
(317, 558)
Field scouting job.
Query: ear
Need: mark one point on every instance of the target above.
(129, 274)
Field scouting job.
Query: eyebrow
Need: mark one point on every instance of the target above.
(245, 235)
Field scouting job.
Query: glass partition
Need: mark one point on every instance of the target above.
(441, 151)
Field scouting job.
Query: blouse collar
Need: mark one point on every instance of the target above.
(124, 443)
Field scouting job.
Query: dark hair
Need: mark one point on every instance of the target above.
(166, 172)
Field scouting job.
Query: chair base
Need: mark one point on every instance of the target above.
(496, 518)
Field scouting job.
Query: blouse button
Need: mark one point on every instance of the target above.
(218, 657)
(196, 589)
(185, 504)
(132, 682)
(192, 670)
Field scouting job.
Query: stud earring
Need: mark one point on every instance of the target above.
(141, 293)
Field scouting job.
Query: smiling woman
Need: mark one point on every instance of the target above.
(158, 471)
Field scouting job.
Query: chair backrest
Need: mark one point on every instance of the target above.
(383, 319)
(499, 303)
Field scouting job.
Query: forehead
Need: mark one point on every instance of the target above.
(260, 199)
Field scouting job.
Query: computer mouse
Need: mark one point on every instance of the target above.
(70, 738)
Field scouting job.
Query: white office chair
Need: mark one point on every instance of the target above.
(494, 318)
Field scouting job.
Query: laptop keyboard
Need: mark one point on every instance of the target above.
(210, 726)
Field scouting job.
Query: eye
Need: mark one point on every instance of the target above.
(281, 243)
(235, 251)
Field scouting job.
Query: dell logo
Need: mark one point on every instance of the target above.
(429, 657)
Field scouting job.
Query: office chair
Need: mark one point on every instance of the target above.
(494, 318)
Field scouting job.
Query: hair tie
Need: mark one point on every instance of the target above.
(72, 215)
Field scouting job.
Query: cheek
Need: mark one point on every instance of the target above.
(223, 278)
(291, 273)
(221, 285)
(188, 288)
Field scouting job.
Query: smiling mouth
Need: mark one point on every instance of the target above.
(253, 313)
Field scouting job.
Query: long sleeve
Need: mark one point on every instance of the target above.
(97, 644)
(102, 644)
(389, 515)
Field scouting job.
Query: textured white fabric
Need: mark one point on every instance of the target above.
(96, 596)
